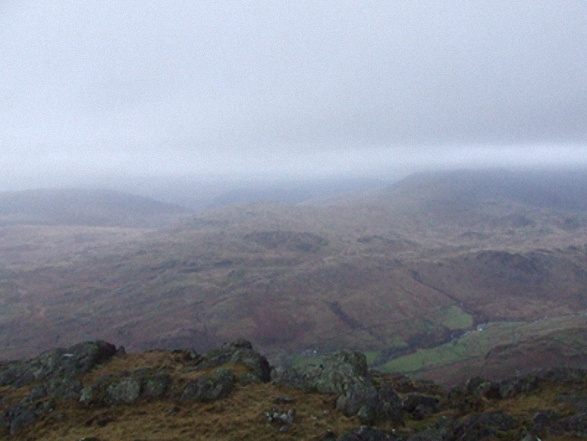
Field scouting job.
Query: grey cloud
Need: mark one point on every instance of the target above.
(223, 85)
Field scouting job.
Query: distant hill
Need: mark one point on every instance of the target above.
(105, 208)
(406, 273)
(554, 189)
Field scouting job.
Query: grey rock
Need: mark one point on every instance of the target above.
(125, 391)
(345, 374)
(359, 398)
(156, 386)
(238, 352)
(333, 376)
(64, 388)
(19, 416)
(70, 362)
(87, 395)
(209, 388)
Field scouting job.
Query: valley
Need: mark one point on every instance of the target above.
(441, 276)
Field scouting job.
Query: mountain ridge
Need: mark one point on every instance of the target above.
(86, 207)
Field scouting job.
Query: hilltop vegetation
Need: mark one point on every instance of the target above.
(95, 391)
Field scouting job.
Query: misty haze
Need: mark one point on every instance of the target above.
(293, 220)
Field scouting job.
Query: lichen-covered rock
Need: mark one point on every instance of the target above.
(239, 351)
(126, 391)
(389, 406)
(70, 362)
(345, 374)
(23, 414)
(360, 398)
(126, 388)
(156, 386)
(19, 416)
(209, 388)
(333, 376)
(87, 395)
(63, 388)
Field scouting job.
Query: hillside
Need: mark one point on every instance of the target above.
(97, 208)
(407, 273)
(95, 391)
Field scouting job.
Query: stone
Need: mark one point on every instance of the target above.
(209, 388)
(156, 386)
(18, 416)
(70, 362)
(346, 375)
(124, 392)
(239, 351)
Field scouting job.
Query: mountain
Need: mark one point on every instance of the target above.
(98, 208)
(440, 275)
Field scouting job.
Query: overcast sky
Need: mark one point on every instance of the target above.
(219, 88)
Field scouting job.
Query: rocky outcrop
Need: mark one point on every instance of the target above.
(239, 351)
(127, 388)
(345, 374)
(56, 373)
(55, 376)
(211, 388)
(70, 362)
(60, 382)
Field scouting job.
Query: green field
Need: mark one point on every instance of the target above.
(478, 343)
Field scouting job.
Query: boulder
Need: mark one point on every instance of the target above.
(156, 386)
(209, 388)
(124, 392)
(16, 417)
(239, 351)
(345, 374)
(70, 362)
(333, 376)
